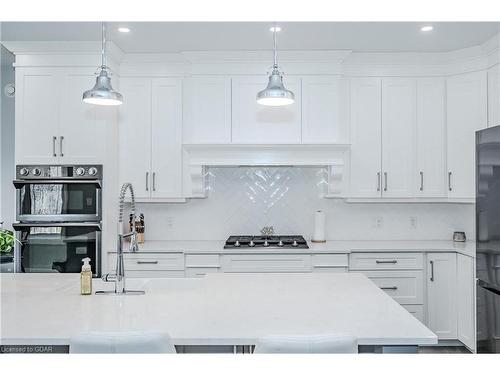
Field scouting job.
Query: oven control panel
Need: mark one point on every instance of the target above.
(56, 172)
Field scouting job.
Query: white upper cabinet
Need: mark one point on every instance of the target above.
(398, 137)
(494, 96)
(151, 137)
(37, 116)
(53, 124)
(83, 125)
(366, 141)
(135, 134)
(258, 124)
(207, 110)
(166, 150)
(431, 138)
(466, 113)
(325, 109)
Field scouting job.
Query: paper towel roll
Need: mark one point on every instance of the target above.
(319, 227)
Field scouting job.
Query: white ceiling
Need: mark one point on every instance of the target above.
(164, 37)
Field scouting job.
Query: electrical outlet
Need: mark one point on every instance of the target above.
(413, 222)
(170, 222)
(378, 222)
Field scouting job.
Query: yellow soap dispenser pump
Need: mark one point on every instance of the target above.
(86, 277)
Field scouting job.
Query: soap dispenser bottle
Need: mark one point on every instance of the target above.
(86, 277)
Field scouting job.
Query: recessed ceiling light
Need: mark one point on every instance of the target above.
(427, 28)
(278, 29)
(124, 29)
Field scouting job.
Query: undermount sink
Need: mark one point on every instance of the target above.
(157, 285)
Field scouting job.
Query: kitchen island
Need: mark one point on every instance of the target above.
(218, 311)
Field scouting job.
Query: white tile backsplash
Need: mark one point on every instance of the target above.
(242, 200)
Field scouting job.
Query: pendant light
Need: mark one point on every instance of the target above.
(275, 94)
(102, 93)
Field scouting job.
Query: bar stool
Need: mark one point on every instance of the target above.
(306, 344)
(121, 342)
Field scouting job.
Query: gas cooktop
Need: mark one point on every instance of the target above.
(273, 242)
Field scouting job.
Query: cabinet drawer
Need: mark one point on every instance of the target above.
(330, 260)
(266, 263)
(151, 262)
(200, 271)
(416, 310)
(153, 274)
(386, 261)
(202, 260)
(406, 287)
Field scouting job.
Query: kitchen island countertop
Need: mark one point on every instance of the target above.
(219, 309)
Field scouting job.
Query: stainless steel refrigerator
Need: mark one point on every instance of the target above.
(488, 240)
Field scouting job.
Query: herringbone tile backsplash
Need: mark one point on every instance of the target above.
(242, 200)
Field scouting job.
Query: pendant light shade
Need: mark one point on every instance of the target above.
(102, 93)
(275, 94)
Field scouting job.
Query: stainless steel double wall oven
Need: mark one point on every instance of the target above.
(59, 214)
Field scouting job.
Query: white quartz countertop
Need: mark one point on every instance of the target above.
(220, 309)
(190, 246)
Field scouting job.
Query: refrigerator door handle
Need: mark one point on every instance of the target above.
(489, 287)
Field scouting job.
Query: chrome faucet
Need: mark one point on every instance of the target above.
(119, 276)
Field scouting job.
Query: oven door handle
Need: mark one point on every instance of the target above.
(21, 183)
(26, 225)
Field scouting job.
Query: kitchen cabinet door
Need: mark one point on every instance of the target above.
(135, 134)
(166, 150)
(465, 301)
(431, 138)
(207, 110)
(38, 92)
(398, 137)
(466, 113)
(324, 110)
(366, 138)
(494, 96)
(82, 136)
(441, 294)
(258, 124)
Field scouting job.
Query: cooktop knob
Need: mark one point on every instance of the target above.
(280, 244)
(237, 244)
(80, 171)
(37, 171)
(92, 171)
(266, 244)
(251, 244)
(24, 172)
(295, 244)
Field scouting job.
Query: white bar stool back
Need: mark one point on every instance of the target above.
(306, 344)
(121, 342)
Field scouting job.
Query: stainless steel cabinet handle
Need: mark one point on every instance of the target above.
(147, 262)
(54, 139)
(61, 139)
(385, 181)
(154, 181)
(389, 287)
(432, 270)
(386, 261)
(421, 181)
(378, 181)
(449, 181)
(147, 181)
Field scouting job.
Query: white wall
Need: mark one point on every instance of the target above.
(7, 191)
(243, 200)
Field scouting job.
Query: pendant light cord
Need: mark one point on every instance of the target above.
(103, 47)
(275, 65)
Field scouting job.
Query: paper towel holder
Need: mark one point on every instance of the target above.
(319, 227)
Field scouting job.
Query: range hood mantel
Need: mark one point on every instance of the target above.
(196, 159)
(262, 155)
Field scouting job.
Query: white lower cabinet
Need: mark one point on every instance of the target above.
(417, 311)
(442, 294)
(405, 287)
(266, 263)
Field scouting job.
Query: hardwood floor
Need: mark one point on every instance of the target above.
(443, 350)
